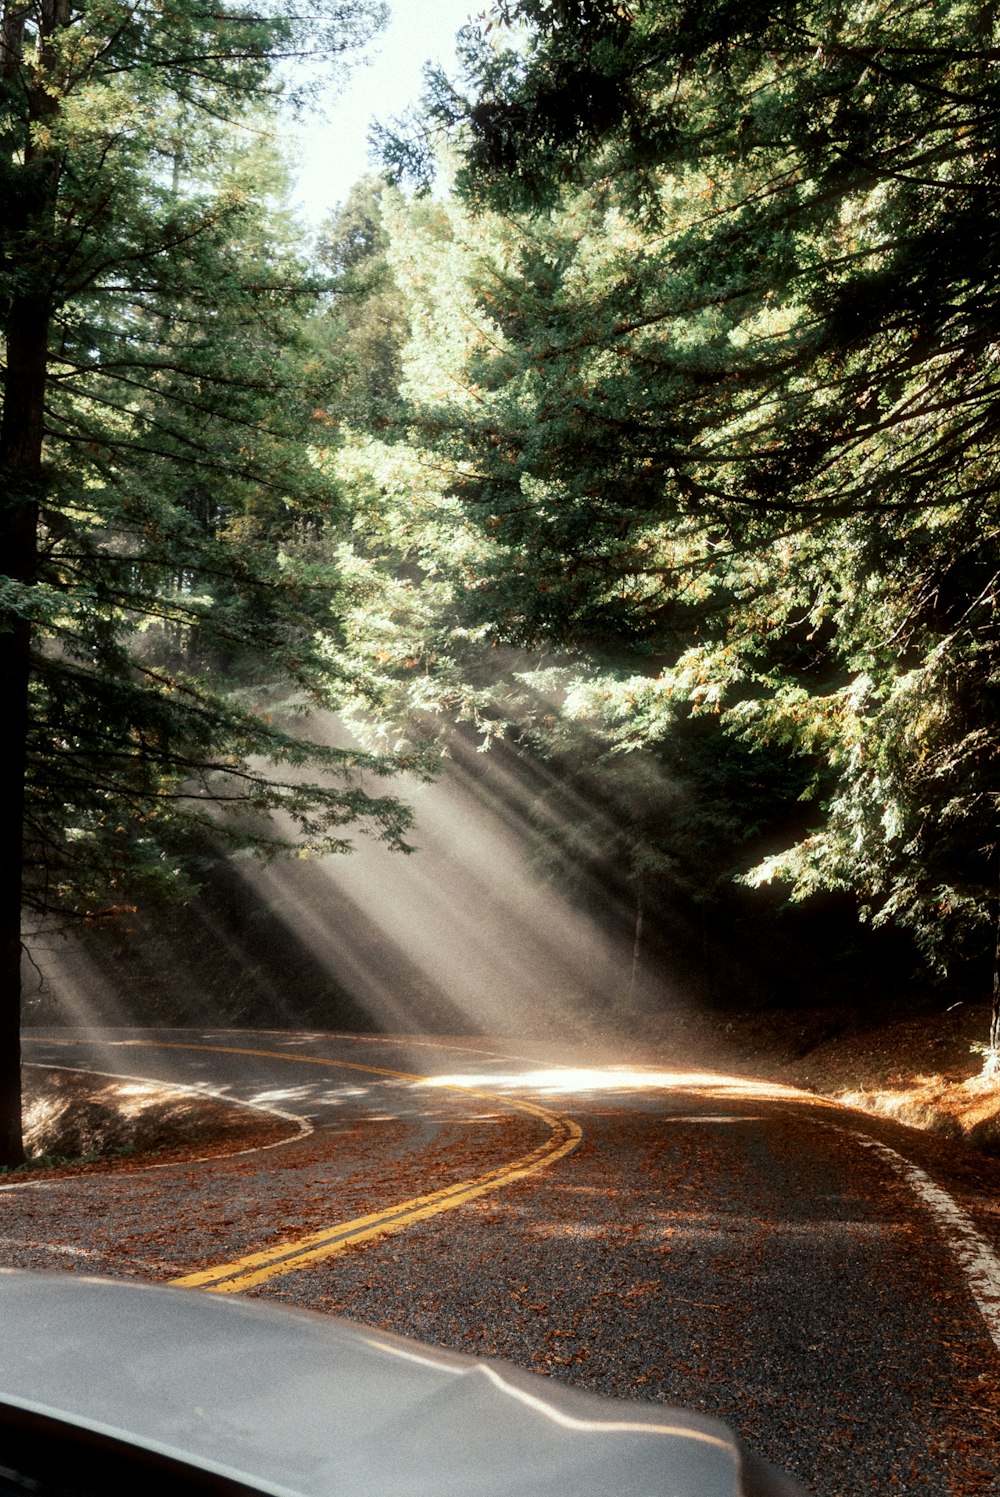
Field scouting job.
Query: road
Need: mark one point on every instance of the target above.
(706, 1241)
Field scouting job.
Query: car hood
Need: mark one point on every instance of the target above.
(299, 1404)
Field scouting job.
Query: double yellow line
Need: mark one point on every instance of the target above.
(285, 1257)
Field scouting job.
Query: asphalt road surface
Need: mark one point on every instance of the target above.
(826, 1283)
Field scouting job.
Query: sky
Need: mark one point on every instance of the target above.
(332, 153)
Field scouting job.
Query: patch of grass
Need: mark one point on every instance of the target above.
(66, 1161)
(48, 1162)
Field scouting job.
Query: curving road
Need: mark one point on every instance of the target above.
(826, 1283)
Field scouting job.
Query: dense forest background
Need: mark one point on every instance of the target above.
(636, 435)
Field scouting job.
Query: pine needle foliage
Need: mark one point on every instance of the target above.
(159, 395)
(736, 415)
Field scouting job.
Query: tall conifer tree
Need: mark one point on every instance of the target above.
(156, 410)
(741, 418)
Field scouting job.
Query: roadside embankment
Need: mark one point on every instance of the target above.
(922, 1070)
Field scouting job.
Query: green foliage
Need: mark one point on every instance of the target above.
(726, 427)
(143, 251)
(365, 325)
(622, 819)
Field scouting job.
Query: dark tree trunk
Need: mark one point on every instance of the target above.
(633, 979)
(20, 478)
(31, 206)
(993, 1050)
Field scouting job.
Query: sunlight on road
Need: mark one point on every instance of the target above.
(566, 1080)
(282, 1094)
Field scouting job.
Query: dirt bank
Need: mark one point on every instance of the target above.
(75, 1123)
(925, 1071)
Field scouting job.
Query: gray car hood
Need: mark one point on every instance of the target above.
(299, 1404)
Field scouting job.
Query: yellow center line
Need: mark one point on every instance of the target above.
(285, 1257)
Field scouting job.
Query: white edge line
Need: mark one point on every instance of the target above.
(978, 1261)
(304, 1126)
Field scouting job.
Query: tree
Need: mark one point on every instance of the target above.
(645, 835)
(740, 418)
(157, 401)
(366, 321)
(402, 559)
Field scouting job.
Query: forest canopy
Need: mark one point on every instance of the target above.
(728, 429)
(660, 437)
(159, 390)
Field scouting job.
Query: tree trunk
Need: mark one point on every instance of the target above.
(31, 206)
(633, 979)
(20, 478)
(992, 1064)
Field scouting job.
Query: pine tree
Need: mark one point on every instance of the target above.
(157, 401)
(742, 421)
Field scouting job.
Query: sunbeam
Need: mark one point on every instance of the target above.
(465, 936)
